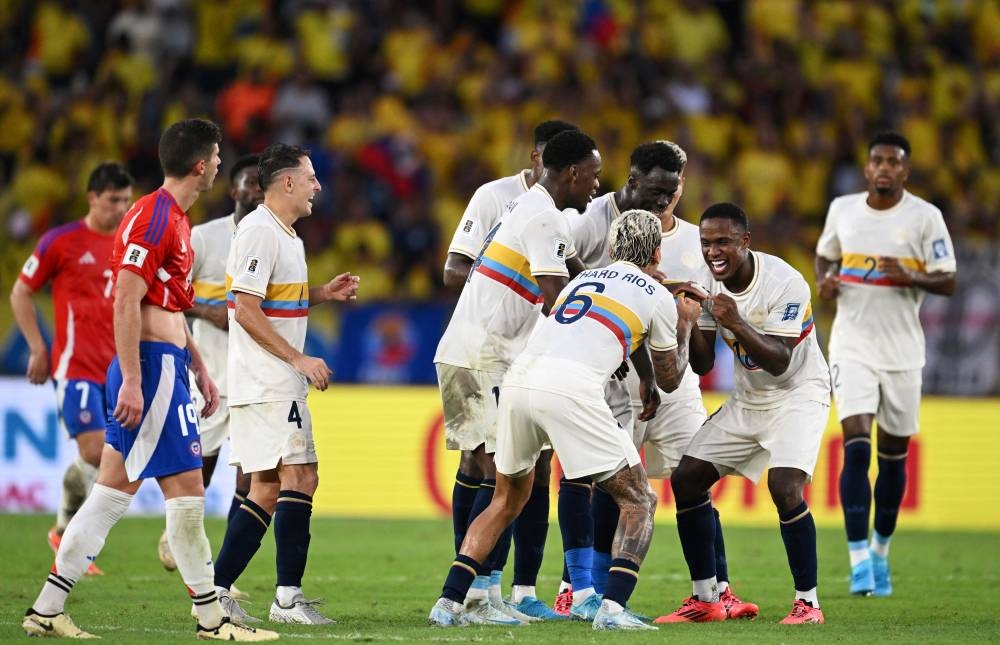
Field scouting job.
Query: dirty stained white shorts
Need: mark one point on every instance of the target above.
(469, 402)
(263, 434)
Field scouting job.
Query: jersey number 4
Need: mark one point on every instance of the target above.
(294, 416)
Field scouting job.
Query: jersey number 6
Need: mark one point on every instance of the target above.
(577, 304)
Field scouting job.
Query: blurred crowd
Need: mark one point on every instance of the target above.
(408, 107)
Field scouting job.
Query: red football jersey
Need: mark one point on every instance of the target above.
(154, 242)
(77, 262)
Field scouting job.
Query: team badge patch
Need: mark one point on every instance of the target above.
(559, 249)
(195, 448)
(85, 417)
(30, 266)
(135, 255)
(791, 312)
(940, 249)
(469, 226)
(253, 265)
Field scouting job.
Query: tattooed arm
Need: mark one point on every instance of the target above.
(669, 365)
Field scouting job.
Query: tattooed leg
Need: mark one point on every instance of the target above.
(630, 489)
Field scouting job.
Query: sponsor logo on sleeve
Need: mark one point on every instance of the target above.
(791, 312)
(559, 249)
(135, 255)
(940, 249)
(30, 267)
(252, 266)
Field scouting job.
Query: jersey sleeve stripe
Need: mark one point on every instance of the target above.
(156, 222)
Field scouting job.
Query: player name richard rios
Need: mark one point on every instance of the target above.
(637, 279)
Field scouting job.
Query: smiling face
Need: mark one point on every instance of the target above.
(887, 170)
(585, 182)
(303, 187)
(725, 245)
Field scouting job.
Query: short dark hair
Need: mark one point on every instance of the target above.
(567, 148)
(275, 158)
(726, 210)
(890, 138)
(185, 143)
(545, 130)
(109, 175)
(658, 154)
(246, 161)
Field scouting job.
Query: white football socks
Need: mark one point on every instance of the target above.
(78, 479)
(809, 596)
(189, 544)
(707, 590)
(520, 592)
(81, 544)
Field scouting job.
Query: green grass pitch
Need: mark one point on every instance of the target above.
(380, 578)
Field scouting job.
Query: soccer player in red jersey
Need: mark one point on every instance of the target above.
(152, 426)
(75, 258)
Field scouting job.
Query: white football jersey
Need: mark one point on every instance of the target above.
(210, 242)
(267, 259)
(484, 211)
(501, 300)
(600, 318)
(591, 228)
(878, 321)
(777, 304)
(680, 261)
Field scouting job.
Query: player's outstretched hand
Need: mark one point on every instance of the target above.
(208, 390)
(650, 396)
(128, 411)
(343, 287)
(314, 369)
(38, 366)
(890, 268)
(829, 287)
(723, 309)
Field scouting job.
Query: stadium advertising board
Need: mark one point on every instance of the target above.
(382, 455)
(36, 451)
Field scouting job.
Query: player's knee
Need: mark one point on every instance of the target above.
(683, 484)
(786, 493)
(543, 469)
(469, 466)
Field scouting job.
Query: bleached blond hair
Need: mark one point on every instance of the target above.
(634, 237)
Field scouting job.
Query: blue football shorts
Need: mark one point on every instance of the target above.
(167, 441)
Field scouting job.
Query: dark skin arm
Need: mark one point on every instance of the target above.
(650, 396)
(827, 278)
(550, 285)
(215, 314)
(456, 270)
(575, 266)
(938, 282)
(701, 350)
(771, 353)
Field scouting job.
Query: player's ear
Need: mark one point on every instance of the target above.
(199, 167)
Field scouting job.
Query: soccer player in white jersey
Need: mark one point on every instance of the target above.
(518, 274)
(271, 436)
(553, 393)
(773, 420)
(587, 532)
(210, 243)
(470, 495)
(681, 412)
(879, 253)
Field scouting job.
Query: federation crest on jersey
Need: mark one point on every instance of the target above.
(469, 226)
(135, 255)
(940, 249)
(791, 311)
